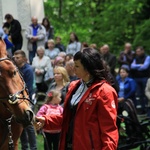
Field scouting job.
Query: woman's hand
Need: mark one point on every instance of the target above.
(40, 121)
(38, 72)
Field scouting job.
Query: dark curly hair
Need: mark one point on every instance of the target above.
(94, 64)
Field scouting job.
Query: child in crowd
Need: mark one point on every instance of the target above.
(51, 107)
(5, 31)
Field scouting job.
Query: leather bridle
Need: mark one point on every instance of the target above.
(13, 98)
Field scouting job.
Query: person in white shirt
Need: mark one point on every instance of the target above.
(74, 44)
(41, 64)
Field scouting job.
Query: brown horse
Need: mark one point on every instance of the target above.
(15, 111)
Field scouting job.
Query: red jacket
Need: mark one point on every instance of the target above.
(95, 120)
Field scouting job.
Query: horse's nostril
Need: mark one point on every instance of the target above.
(29, 115)
(28, 118)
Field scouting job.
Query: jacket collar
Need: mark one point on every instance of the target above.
(126, 79)
(75, 84)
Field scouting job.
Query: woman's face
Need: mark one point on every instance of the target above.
(40, 53)
(45, 22)
(80, 71)
(123, 73)
(72, 37)
(57, 75)
(51, 45)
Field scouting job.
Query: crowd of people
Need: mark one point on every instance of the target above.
(83, 90)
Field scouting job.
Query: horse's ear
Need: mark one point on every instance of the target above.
(3, 52)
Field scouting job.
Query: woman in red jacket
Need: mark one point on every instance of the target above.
(90, 108)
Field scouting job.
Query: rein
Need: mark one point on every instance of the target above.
(10, 140)
(8, 130)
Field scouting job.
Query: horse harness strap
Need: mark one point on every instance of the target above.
(13, 98)
(10, 140)
(5, 58)
(7, 124)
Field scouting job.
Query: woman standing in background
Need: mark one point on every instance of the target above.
(74, 44)
(49, 30)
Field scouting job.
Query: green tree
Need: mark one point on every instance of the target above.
(101, 21)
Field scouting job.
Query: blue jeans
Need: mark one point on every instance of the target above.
(32, 53)
(140, 92)
(28, 138)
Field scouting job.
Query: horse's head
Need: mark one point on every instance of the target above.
(13, 92)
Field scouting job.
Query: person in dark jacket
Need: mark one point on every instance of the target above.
(126, 56)
(59, 45)
(109, 58)
(14, 35)
(140, 71)
(28, 137)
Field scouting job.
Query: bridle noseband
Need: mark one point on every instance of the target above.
(13, 98)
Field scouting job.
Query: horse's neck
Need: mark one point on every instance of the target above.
(3, 52)
(4, 112)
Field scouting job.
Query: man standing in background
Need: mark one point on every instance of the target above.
(109, 58)
(35, 35)
(28, 135)
(14, 35)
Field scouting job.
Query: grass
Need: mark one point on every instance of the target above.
(40, 142)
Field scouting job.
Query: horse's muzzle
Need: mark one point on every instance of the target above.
(27, 119)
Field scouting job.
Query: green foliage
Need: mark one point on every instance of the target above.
(101, 21)
(143, 36)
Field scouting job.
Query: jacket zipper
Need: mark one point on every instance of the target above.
(91, 139)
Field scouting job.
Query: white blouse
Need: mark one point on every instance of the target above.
(78, 94)
(43, 65)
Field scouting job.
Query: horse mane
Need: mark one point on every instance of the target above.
(3, 52)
